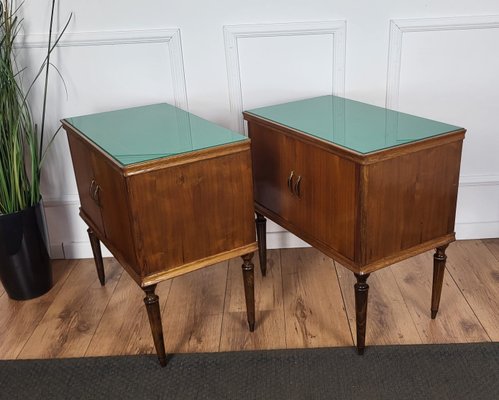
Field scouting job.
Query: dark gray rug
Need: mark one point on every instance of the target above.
(458, 371)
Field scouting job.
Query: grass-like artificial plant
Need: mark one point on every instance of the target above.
(22, 150)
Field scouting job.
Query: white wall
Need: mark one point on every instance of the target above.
(434, 59)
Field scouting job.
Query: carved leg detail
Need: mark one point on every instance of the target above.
(249, 289)
(99, 264)
(261, 233)
(152, 305)
(439, 259)
(361, 292)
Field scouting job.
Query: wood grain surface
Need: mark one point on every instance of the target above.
(192, 317)
(388, 320)
(70, 322)
(479, 286)
(19, 319)
(305, 301)
(456, 321)
(313, 305)
(124, 326)
(269, 329)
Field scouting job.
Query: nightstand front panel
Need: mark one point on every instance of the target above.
(103, 197)
(82, 155)
(310, 188)
(113, 199)
(188, 212)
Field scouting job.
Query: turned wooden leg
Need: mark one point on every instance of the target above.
(439, 259)
(152, 305)
(249, 289)
(361, 292)
(261, 233)
(99, 264)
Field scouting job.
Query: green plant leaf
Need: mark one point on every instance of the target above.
(21, 148)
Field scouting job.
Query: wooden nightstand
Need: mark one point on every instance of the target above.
(167, 193)
(365, 185)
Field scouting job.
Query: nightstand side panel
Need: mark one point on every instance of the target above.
(410, 200)
(189, 212)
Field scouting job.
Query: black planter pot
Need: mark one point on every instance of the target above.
(25, 269)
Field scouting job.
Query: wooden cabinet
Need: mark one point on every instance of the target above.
(365, 185)
(165, 204)
(169, 216)
(366, 211)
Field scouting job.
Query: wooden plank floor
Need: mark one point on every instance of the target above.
(306, 300)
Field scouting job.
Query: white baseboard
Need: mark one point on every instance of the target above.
(477, 230)
(56, 252)
(276, 240)
(70, 250)
(284, 240)
(75, 250)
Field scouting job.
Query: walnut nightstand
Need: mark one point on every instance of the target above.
(167, 193)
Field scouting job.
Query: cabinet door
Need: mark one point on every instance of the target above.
(324, 186)
(274, 159)
(81, 154)
(112, 198)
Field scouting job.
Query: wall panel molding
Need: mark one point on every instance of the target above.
(479, 180)
(472, 188)
(61, 201)
(398, 27)
(62, 207)
(233, 33)
(170, 37)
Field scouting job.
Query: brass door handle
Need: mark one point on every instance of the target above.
(297, 186)
(96, 195)
(290, 181)
(91, 189)
(94, 191)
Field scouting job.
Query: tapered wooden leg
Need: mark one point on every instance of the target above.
(249, 289)
(152, 305)
(99, 264)
(361, 292)
(439, 259)
(261, 233)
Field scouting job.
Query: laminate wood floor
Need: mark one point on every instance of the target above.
(306, 300)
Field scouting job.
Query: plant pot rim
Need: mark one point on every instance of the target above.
(23, 210)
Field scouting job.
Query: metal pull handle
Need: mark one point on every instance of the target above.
(290, 181)
(297, 186)
(96, 195)
(91, 189)
(94, 191)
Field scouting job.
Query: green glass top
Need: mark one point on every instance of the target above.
(146, 133)
(358, 126)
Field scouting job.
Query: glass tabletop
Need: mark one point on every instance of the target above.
(146, 133)
(358, 126)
